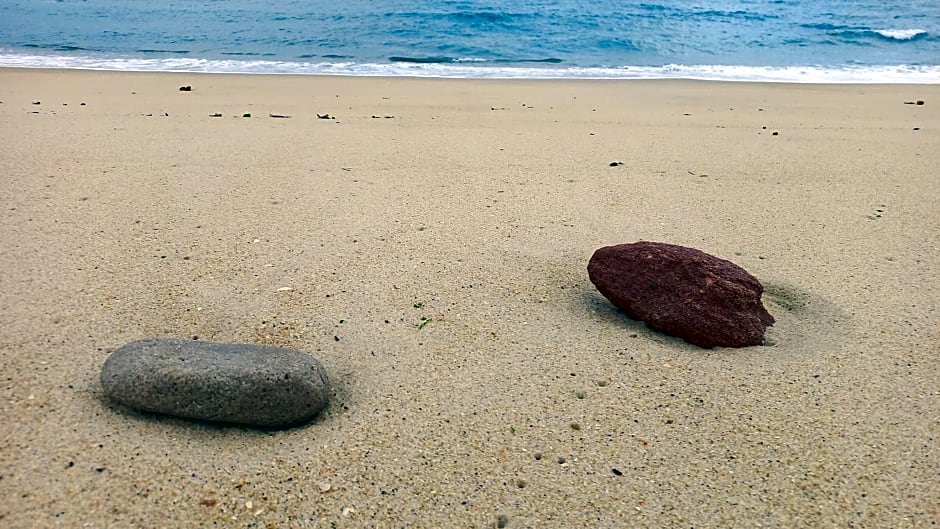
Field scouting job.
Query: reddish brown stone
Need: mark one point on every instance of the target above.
(681, 291)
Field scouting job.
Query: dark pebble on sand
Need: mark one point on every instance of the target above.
(709, 301)
(216, 115)
(186, 88)
(615, 164)
(616, 472)
(775, 133)
(502, 521)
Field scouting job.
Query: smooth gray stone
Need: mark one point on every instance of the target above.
(239, 383)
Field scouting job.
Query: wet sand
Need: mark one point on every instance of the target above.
(428, 242)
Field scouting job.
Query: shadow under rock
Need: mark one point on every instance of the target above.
(798, 313)
(592, 302)
(334, 407)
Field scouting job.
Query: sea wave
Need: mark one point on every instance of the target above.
(825, 26)
(911, 74)
(151, 50)
(861, 34)
(901, 34)
(444, 59)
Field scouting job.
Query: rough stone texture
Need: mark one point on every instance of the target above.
(681, 291)
(248, 384)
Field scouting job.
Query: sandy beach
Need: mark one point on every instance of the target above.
(427, 240)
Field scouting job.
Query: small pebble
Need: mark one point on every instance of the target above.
(502, 521)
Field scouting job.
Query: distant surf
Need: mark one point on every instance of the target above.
(457, 69)
(457, 60)
(901, 34)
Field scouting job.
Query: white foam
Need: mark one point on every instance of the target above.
(789, 74)
(900, 34)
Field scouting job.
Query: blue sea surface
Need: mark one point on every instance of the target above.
(767, 40)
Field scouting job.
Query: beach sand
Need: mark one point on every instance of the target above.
(436, 261)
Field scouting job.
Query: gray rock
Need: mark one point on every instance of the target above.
(239, 383)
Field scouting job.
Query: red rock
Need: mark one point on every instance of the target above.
(684, 292)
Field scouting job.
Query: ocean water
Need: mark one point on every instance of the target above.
(859, 41)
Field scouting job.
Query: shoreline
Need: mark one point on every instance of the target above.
(428, 243)
(795, 74)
